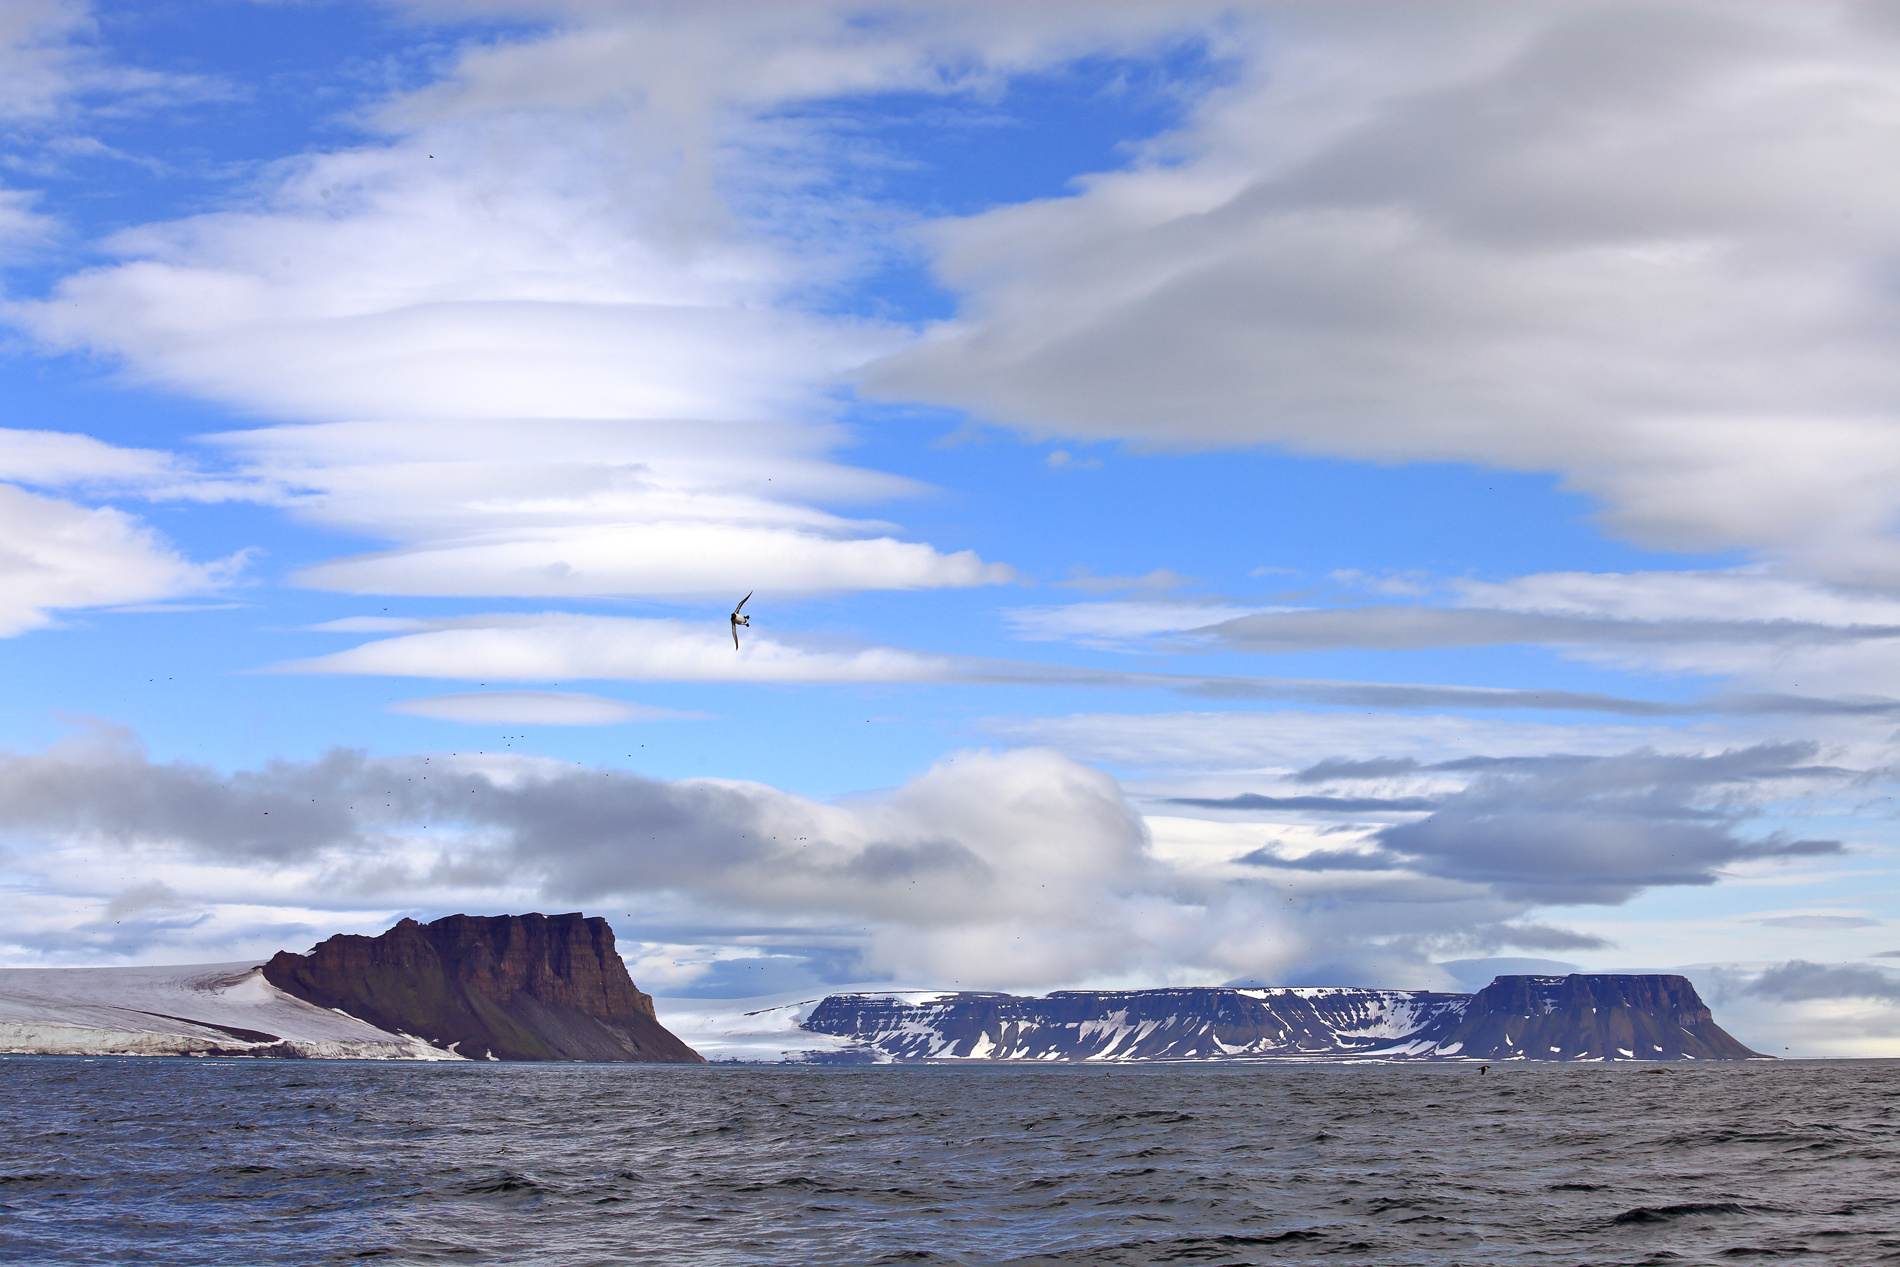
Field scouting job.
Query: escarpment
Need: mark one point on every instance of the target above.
(500, 987)
(1584, 1016)
(1594, 1016)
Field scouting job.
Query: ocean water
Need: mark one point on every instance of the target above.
(255, 1162)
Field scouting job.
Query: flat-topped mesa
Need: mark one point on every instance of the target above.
(1579, 1017)
(1586, 1016)
(1182, 1023)
(498, 987)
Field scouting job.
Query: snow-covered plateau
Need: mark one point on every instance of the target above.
(214, 1009)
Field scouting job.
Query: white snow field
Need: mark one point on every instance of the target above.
(203, 1009)
(766, 1029)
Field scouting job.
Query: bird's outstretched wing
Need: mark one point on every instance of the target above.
(735, 635)
(742, 603)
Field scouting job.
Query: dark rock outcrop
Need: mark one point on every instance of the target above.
(501, 987)
(1587, 1017)
(1579, 1017)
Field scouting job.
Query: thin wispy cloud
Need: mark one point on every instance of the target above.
(558, 646)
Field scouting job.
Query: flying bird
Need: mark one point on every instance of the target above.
(738, 620)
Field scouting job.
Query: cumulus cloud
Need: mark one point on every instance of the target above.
(1015, 865)
(1013, 869)
(1636, 245)
(57, 555)
(534, 708)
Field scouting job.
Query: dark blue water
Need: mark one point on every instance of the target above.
(189, 1162)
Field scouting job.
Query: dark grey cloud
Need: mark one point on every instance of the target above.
(1323, 860)
(1321, 804)
(1346, 768)
(1401, 695)
(573, 832)
(1602, 829)
(104, 787)
(1392, 627)
(1798, 980)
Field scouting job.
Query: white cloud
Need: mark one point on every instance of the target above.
(55, 458)
(541, 313)
(534, 708)
(37, 55)
(1018, 869)
(1801, 1009)
(57, 555)
(1735, 594)
(554, 647)
(22, 228)
(1644, 246)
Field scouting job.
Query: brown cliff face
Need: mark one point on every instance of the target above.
(499, 987)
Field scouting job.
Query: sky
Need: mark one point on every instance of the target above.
(1228, 492)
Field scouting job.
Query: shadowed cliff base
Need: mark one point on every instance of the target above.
(499, 987)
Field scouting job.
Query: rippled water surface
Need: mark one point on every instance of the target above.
(186, 1162)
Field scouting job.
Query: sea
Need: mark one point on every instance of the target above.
(180, 1161)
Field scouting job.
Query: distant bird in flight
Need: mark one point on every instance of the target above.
(738, 620)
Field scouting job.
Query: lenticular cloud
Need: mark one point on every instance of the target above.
(1642, 246)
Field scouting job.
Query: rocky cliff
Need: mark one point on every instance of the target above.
(502, 987)
(1579, 1017)
(1585, 1017)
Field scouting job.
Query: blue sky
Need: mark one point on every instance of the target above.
(1463, 434)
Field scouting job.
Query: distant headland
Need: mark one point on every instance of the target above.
(501, 987)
